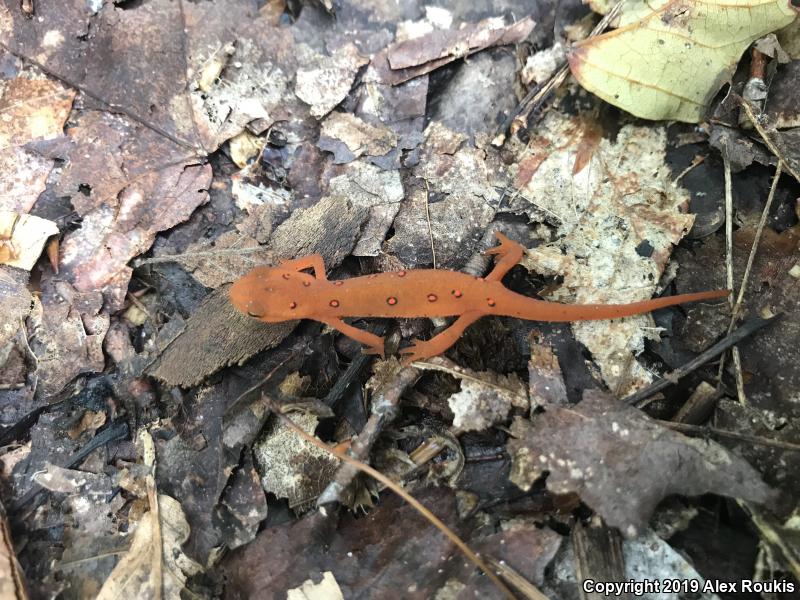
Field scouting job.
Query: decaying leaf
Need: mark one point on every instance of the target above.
(373, 555)
(69, 330)
(457, 201)
(15, 304)
(622, 463)
(545, 381)
(326, 81)
(617, 219)
(22, 238)
(411, 58)
(348, 137)
(485, 397)
(158, 539)
(96, 255)
(30, 110)
(668, 58)
(380, 191)
(241, 93)
(291, 467)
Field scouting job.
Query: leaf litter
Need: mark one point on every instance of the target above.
(246, 134)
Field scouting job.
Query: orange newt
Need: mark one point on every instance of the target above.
(284, 293)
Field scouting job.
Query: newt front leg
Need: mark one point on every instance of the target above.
(312, 261)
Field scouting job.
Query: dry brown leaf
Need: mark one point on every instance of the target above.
(622, 463)
(12, 577)
(411, 58)
(96, 255)
(68, 328)
(33, 109)
(245, 147)
(30, 110)
(155, 565)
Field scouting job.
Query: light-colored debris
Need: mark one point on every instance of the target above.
(618, 218)
(326, 80)
(22, 238)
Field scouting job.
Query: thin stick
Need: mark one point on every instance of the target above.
(740, 297)
(728, 252)
(750, 259)
(384, 411)
(186, 256)
(428, 218)
(748, 328)
(538, 94)
(419, 507)
(734, 435)
(767, 139)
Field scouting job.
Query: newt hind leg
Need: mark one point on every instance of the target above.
(508, 253)
(420, 350)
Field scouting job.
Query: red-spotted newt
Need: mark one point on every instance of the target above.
(285, 293)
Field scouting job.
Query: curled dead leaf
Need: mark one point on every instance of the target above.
(622, 463)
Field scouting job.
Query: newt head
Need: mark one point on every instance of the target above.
(273, 294)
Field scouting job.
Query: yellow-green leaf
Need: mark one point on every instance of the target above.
(669, 62)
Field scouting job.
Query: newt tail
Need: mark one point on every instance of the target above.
(559, 313)
(285, 293)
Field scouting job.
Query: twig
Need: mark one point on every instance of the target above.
(418, 506)
(384, 411)
(728, 256)
(768, 141)
(428, 218)
(538, 94)
(354, 369)
(187, 256)
(734, 435)
(747, 329)
(775, 534)
(740, 297)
